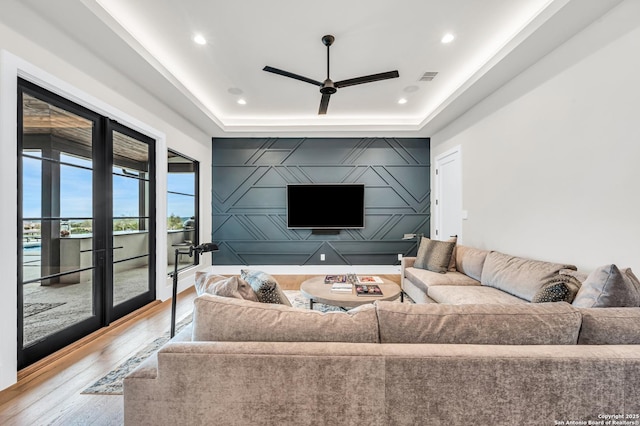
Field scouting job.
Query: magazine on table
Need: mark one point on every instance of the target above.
(369, 279)
(368, 290)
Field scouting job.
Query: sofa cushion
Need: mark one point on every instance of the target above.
(470, 260)
(266, 287)
(578, 275)
(526, 324)
(608, 286)
(220, 285)
(479, 295)
(611, 326)
(429, 278)
(223, 319)
(518, 276)
(434, 255)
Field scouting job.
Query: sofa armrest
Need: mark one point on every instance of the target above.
(242, 383)
(407, 262)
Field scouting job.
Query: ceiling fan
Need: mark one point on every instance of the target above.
(328, 87)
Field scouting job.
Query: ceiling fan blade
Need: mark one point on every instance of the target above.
(367, 79)
(291, 75)
(324, 104)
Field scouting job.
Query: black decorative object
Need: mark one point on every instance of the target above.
(202, 248)
(328, 87)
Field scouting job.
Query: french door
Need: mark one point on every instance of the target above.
(85, 211)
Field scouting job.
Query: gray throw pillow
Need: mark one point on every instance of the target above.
(608, 286)
(452, 261)
(434, 255)
(265, 286)
(246, 291)
(218, 285)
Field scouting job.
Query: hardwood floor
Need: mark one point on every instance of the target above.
(49, 393)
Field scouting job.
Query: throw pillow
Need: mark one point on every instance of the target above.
(559, 288)
(246, 291)
(217, 285)
(434, 255)
(608, 286)
(265, 286)
(452, 262)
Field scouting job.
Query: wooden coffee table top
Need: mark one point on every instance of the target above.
(318, 292)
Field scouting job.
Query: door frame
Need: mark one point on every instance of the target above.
(453, 154)
(13, 67)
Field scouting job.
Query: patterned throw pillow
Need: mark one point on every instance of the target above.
(554, 290)
(434, 255)
(265, 286)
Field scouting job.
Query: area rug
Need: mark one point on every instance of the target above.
(111, 384)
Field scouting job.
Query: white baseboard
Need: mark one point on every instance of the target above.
(308, 269)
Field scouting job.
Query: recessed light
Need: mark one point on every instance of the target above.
(447, 38)
(199, 39)
(242, 101)
(402, 101)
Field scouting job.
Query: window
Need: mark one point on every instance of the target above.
(182, 208)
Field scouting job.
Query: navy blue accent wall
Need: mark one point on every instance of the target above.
(249, 198)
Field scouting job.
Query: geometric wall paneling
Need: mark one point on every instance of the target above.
(249, 196)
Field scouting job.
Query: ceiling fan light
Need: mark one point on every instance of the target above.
(447, 38)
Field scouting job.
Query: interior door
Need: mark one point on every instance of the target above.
(448, 185)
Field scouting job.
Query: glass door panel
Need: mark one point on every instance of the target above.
(56, 210)
(131, 233)
(182, 209)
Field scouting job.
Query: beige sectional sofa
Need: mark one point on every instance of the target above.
(478, 276)
(248, 363)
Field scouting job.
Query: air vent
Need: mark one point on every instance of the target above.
(428, 76)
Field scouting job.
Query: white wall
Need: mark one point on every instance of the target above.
(551, 164)
(114, 96)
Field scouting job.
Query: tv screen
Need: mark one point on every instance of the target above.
(325, 206)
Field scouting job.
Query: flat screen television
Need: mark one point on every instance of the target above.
(325, 206)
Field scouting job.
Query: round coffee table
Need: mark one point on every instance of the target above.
(317, 291)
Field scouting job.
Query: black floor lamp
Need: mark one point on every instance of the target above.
(202, 248)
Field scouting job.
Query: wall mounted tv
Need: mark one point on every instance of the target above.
(325, 206)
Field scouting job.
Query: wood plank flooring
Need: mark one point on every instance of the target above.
(49, 393)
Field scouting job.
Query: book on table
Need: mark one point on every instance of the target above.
(330, 279)
(369, 279)
(368, 290)
(342, 287)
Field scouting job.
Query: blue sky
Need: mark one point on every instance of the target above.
(76, 191)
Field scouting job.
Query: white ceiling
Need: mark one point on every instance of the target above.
(150, 41)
